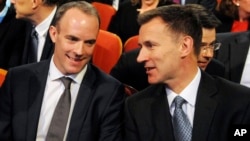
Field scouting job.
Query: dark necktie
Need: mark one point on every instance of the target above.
(33, 46)
(181, 124)
(60, 118)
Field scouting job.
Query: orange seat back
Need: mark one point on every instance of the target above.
(2, 76)
(131, 43)
(108, 50)
(106, 12)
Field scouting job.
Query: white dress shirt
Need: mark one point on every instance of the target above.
(189, 94)
(245, 77)
(3, 13)
(42, 30)
(53, 91)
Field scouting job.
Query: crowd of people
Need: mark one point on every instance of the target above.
(189, 72)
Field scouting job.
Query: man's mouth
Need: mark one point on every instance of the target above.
(75, 57)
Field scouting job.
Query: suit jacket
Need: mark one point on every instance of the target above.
(219, 105)
(12, 39)
(47, 50)
(130, 72)
(96, 115)
(15, 44)
(233, 53)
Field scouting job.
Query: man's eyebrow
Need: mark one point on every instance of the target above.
(204, 43)
(91, 41)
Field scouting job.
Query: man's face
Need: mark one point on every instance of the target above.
(159, 51)
(74, 39)
(206, 53)
(24, 8)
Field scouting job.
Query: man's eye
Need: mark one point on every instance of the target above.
(90, 42)
(72, 38)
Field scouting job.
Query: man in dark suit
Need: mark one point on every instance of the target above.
(234, 53)
(128, 71)
(12, 37)
(211, 105)
(30, 93)
(40, 15)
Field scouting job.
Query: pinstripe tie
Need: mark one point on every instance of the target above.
(182, 126)
(60, 118)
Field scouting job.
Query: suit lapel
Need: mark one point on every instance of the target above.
(204, 108)
(48, 48)
(161, 114)
(84, 97)
(35, 96)
(238, 52)
(25, 53)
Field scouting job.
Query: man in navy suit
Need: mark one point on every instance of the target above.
(170, 38)
(30, 92)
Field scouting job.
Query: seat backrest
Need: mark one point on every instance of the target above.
(2, 76)
(131, 43)
(107, 51)
(106, 12)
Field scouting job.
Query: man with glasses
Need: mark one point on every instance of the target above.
(128, 71)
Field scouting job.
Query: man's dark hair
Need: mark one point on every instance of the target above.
(207, 18)
(179, 20)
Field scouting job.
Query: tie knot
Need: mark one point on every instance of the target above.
(34, 33)
(66, 82)
(178, 101)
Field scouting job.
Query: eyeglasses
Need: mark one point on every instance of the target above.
(212, 47)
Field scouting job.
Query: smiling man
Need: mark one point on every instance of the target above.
(65, 97)
(183, 103)
(128, 71)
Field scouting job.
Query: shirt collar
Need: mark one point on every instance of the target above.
(189, 93)
(43, 27)
(3, 13)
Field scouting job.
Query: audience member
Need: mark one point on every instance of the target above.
(234, 15)
(128, 71)
(31, 93)
(12, 35)
(38, 45)
(124, 23)
(235, 54)
(207, 106)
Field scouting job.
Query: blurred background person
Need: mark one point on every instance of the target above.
(12, 36)
(234, 15)
(124, 23)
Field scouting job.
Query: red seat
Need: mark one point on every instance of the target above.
(131, 43)
(107, 51)
(106, 13)
(2, 76)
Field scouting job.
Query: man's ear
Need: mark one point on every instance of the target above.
(53, 33)
(36, 3)
(236, 2)
(187, 46)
